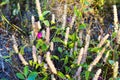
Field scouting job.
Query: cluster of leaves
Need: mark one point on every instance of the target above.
(27, 75)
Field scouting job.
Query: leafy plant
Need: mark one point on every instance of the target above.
(27, 75)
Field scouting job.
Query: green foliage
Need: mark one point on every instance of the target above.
(4, 2)
(87, 73)
(61, 75)
(77, 12)
(82, 26)
(111, 62)
(42, 45)
(26, 71)
(60, 49)
(27, 74)
(32, 76)
(43, 18)
(20, 76)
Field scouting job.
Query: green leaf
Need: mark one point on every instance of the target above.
(73, 37)
(95, 49)
(114, 34)
(55, 57)
(87, 73)
(117, 78)
(41, 18)
(66, 60)
(75, 10)
(111, 62)
(4, 2)
(53, 27)
(61, 75)
(57, 39)
(46, 22)
(82, 26)
(60, 49)
(32, 76)
(44, 47)
(22, 50)
(20, 76)
(71, 45)
(26, 70)
(36, 66)
(67, 68)
(15, 12)
(45, 13)
(30, 62)
(111, 78)
(68, 77)
(86, 3)
(39, 43)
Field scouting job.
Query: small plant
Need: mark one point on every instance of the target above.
(27, 74)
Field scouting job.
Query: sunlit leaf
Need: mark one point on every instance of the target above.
(95, 49)
(32, 76)
(61, 75)
(57, 39)
(4, 2)
(71, 45)
(68, 76)
(55, 57)
(41, 18)
(66, 60)
(111, 62)
(44, 47)
(26, 70)
(39, 43)
(45, 13)
(22, 49)
(82, 26)
(114, 34)
(87, 73)
(46, 22)
(15, 11)
(20, 76)
(30, 62)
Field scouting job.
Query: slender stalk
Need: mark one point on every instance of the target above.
(51, 46)
(73, 20)
(38, 7)
(64, 16)
(52, 77)
(115, 69)
(53, 19)
(98, 57)
(115, 18)
(80, 56)
(97, 74)
(39, 59)
(103, 40)
(15, 47)
(106, 56)
(47, 34)
(66, 35)
(87, 41)
(50, 63)
(34, 53)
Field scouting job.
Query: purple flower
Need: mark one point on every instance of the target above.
(39, 35)
(69, 19)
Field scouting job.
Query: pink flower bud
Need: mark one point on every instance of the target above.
(39, 35)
